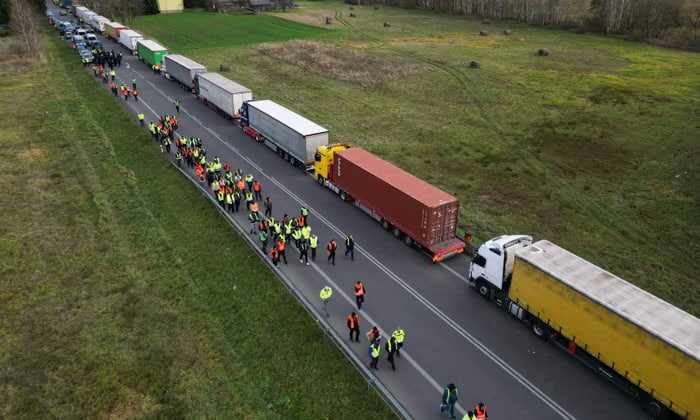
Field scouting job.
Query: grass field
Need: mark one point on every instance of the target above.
(123, 293)
(594, 147)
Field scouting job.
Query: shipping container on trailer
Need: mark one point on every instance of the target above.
(150, 52)
(643, 338)
(182, 69)
(112, 30)
(407, 205)
(290, 135)
(226, 95)
(128, 39)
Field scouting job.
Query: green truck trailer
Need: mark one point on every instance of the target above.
(150, 52)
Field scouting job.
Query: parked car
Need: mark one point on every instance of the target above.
(68, 34)
(85, 54)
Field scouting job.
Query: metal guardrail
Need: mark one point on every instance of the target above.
(328, 331)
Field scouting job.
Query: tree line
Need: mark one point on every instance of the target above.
(677, 21)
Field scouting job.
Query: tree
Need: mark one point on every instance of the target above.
(25, 24)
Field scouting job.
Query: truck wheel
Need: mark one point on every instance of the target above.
(243, 128)
(257, 137)
(539, 329)
(385, 224)
(397, 233)
(292, 160)
(483, 288)
(285, 156)
(408, 241)
(320, 181)
(343, 196)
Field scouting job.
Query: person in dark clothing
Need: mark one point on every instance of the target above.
(332, 246)
(390, 348)
(350, 247)
(354, 326)
(449, 399)
(268, 207)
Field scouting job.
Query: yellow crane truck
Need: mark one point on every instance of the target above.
(645, 345)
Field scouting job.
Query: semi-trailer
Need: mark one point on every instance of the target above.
(150, 52)
(112, 29)
(290, 135)
(645, 345)
(81, 11)
(97, 22)
(413, 210)
(128, 39)
(181, 69)
(223, 95)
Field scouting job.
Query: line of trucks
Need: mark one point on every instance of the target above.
(646, 346)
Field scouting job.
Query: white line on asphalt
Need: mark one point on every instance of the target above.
(441, 315)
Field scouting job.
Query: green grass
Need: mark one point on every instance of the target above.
(123, 293)
(187, 31)
(594, 147)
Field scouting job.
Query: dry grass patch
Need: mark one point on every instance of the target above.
(339, 63)
(311, 17)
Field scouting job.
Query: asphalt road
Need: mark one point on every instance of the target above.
(452, 334)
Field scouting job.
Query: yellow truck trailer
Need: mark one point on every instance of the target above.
(640, 342)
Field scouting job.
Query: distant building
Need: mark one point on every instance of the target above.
(170, 6)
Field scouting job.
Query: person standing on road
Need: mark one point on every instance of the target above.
(359, 294)
(480, 411)
(350, 247)
(268, 207)
(390, 348)
(176, 103)
(374, 349)
(313, 244)
(257, 189)
(305, 213)
(263, 241)
(141, 118)
(449, 399)
(275, 255)
(354, 326)
(133, 83)
(280, 248)
(136, 95)
(326, 294)
(399, 335)
(249, 181)
(332, 246)
(253, 219)
(374, 334)
(113, 74)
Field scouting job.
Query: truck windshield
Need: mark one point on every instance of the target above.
(479, 260)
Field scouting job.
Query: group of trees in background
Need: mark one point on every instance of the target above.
(676, 20)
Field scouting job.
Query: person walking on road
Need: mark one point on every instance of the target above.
(359, 294)
(275, 255)
(263, 241)
(280, 248)
(136, 95)
(390, 348)
(177, 105)
(374, 349)
(399, 335)
(113, 74)
(304, 252)
(253, 219)
(354, 326)
(350, 247)
(332, 246)
(326, 294)
(133, 83)
(449, 399)
(480, 411)
(305, 213)
(313, 244)
(375, 334)
(141, 118)
(257, 189)
(268, 207)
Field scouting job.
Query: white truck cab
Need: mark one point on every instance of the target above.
(492, 266)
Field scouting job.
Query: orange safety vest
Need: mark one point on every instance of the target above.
(359, 289)
(241, 185)
(480, 414)
(280, 245)
(300, 220)
(274, 254)
(353, 321)
(257, 186)
(375, 333)
(332, 246)
(254, 207)
(136, 92)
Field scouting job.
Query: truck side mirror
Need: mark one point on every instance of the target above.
(317, 157)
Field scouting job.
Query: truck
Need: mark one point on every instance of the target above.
(645, 345)
(150, 52)
(181, 69)
(420, 214)
(112, 29)
(80, 11)
(223, 95)
(287, 133)
(128, 39)
(97, 22)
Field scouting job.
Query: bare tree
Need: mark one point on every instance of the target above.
(25, 23)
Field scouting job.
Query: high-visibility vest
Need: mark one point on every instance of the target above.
(178, 156)
(288, 228)
(304, 211)
(313, 241)
(280, 245)
(359, 289)
(220, 196)
(389, 346)
(248, 196)
(375, 350)
(326, 293)
(249, 178)
(253, 217)
(263, 236)
(398, 335)
(300, 220)
(254, 207)
(229, 198)
(241, 185)
(257, 186)
(480, 413)
(332, 246)
(306, 232)
(141, 116)
(278, 228)
(296, 235)
(274, 253)
(353, 322)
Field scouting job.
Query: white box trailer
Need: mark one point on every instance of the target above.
(112, 29)
(289, 134)
(98, 22)
(227, 95)
(182, 69)
(128, 39)
(79, 10)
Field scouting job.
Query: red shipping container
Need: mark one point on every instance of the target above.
(424, 212)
